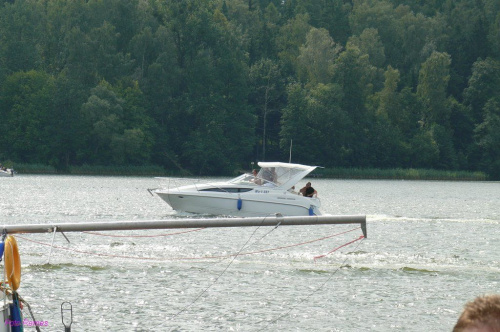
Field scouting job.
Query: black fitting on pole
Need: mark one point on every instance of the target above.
(66, 306)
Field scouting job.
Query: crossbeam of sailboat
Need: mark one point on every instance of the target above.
(187, 223)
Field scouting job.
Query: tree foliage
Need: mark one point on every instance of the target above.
(209, 86)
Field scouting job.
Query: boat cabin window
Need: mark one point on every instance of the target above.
(228, 190)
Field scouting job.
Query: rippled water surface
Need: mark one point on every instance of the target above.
(431, 247)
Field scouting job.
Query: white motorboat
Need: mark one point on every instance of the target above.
(6, 172)
(269, 192)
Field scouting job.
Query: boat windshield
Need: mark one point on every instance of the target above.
(275, 174)
(251, 180)
(278, 175)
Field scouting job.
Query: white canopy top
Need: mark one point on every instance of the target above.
(283, 174)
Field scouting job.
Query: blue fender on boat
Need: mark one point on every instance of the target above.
(239, 204)
(2, 246)
(17, 319)
(311, 211)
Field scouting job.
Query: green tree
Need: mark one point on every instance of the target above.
(483, 85)
(388, 142)
(462, 130)
(408, 38)
(418, 36)
(444, 139)
(353, 72)
(424, 152)
(296, 127)
(467, 39)
(212, 89)
(369, 43)
(330, 125)
(118, 130)
(165, 90)
(78, 65)
(21, 27)
(494, 36)
(409, 120)
(143, 49)
(386, 145)
(67, 126)
(316, 58)
(432, 89)
(103, 113)
(107, 61)
(487, 136)
(291, 37)
(332, 15)
(27, 103)
(266, 94)
(137, 136)
(388, 98)
(381, 16)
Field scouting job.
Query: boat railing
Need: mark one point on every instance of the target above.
(174, 183)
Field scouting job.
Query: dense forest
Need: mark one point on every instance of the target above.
(208, 86)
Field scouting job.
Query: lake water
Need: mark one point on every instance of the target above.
(431, 247)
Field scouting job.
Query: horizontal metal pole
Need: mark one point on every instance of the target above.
(186, 223)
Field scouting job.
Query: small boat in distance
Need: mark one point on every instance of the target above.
(269, 192)
(6, 171)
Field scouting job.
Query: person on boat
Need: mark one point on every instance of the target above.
(308, 191)
(482, 314)
(256, 180)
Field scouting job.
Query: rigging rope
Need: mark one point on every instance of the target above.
(239, 253)
(219, 276)
(314, 291)
(157, 235)
(188, 258)
(346, 244)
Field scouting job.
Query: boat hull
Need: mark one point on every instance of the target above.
(244, 205)
(8, 172)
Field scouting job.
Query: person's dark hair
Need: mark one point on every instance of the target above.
(482, 314)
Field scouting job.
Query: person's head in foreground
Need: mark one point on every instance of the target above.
(480, 315)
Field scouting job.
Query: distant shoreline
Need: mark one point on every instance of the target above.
(401, 174)
(326, 173)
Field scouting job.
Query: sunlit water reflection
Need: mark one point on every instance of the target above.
(431, 247)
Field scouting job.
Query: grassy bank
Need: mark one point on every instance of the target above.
(400, 174)
(94, 170)
(329, 173)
